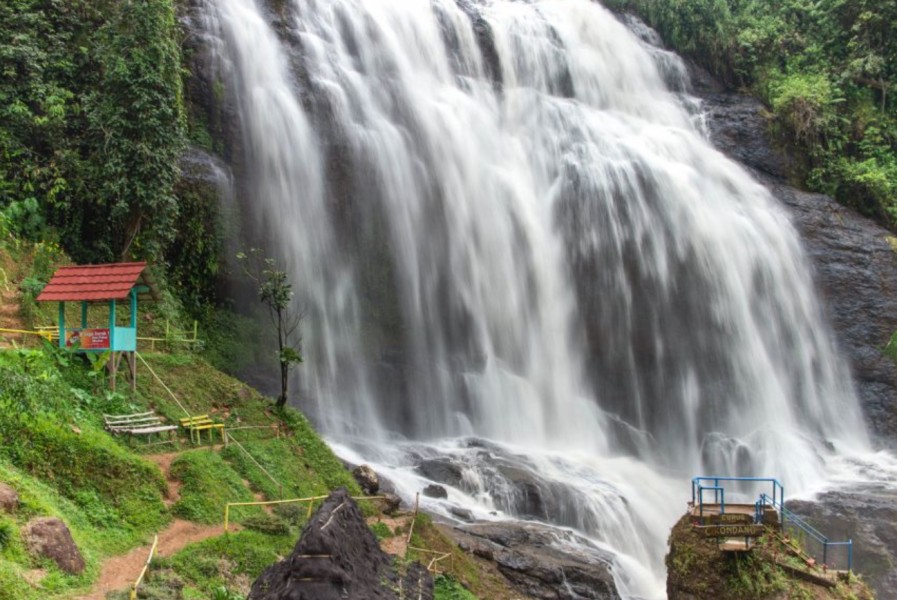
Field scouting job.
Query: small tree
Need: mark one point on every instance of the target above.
(276, 292)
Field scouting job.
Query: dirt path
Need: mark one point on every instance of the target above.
(173, 494)
(119, 572)
(397, 544)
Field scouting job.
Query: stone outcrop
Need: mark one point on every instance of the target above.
(542, 562)
(49, 537)
(338, 558)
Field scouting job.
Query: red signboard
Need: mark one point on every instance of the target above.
(87, 339)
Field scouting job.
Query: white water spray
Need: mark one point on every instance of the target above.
(510, 227)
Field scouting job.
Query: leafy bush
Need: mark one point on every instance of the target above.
(267, 524)
(827, 69)
(381, 530)
(447, 587)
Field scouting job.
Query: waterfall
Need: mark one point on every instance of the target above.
(509, 228)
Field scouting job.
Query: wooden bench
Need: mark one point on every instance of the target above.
(146, 423)
(200, 423)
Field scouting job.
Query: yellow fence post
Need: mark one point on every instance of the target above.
(133, 594)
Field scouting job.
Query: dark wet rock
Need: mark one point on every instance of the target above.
(441, 470)
(367, 479)
(540, 561)
(435, 491)
(462, 513)
(9, 499)
(390, 503)
(854, 266)
(338, 558)
(48, 537)
(868, 516)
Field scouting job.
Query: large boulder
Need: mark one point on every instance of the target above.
(441, 470)
(49, 537)
(9, 499)
(367, 479)
(338, 558)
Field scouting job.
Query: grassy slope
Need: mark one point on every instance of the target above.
(62, 463)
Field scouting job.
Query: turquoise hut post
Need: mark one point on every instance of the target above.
(97, 284)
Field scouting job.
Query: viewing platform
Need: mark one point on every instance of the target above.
(737, 526)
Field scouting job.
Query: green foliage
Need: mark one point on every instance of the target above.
(276, 293)
(222, 593)
(91, 123)
(38, 417)
(447, 587)
(268, 524)
(208, 484)
(6, 533)
(827, 69)
(382, 530)
(208, 564)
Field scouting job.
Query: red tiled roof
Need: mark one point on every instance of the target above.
(92, 282)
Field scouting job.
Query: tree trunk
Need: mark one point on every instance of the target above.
(284, 382)
(284, 366)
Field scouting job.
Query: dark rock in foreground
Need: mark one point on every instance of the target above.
(338, 558)
(541, 561)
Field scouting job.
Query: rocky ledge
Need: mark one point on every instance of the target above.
(542, 562)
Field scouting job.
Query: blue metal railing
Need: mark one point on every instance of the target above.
(795, 522)
(777, 501)
(698, 487)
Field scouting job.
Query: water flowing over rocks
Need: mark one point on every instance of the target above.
(854, 265)
(855, 268)
(541, 561)
(338, 558)
(509, 225)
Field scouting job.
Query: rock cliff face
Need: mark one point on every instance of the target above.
(855, 267)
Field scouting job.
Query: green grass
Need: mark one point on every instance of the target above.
(447, 588)
(208, 484)
(218, 561)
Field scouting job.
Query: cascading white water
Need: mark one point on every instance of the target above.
(507, 224)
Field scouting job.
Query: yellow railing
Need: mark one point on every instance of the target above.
(133, 594)
(311, 503)
(175, 337)
(46, 334)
